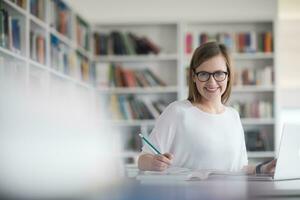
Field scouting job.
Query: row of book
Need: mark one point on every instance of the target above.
(60, 17)
(254, 76)
(255, 109)
(119, 43)
(21, 3)
(10, 30)
(241, 42)
(114, 75)
(82, 34)
(258, 140)
(69, 62)
(61, 58)
(37, 8)
(129, 108)
(37, 46)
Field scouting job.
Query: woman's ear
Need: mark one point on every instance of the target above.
(194, 76)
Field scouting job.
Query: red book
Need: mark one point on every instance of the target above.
(188, 43)
(241, 42)
(118, 76)
(62, 22)
(129, 79)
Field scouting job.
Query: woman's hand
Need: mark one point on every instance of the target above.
(160, 162)
(150, 162)
(269, 168)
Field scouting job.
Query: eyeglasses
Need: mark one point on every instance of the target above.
(204, 76)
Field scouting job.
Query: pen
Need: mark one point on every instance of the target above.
(153, 148)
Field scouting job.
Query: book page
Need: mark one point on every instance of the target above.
(169, 171)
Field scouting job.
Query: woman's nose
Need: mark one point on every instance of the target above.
(211, 79)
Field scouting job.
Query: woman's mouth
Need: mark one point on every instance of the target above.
(212, 90)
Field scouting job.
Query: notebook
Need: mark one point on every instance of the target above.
(184, 174)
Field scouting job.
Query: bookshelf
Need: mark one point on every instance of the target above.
(164, 64)
(44, 41)
(66, 50)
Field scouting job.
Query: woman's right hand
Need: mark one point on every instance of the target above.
(150, 162)
(160, 162)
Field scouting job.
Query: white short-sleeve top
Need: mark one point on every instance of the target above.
(200, 140)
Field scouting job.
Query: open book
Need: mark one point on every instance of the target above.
(184, 174)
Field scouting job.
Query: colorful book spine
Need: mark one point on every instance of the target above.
(241, 42)
(37, 8)
(119, 43)
(188, 43)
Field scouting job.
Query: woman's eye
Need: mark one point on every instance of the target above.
(219, 73)
(203, 74)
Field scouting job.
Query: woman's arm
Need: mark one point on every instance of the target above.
(149, 162)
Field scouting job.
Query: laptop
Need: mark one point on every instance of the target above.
(288, 159)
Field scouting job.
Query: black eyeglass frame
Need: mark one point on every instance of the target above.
(211, 74)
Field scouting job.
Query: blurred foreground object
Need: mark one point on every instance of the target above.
(51, 144)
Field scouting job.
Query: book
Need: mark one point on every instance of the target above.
(120, 43)
(37, 46)
(188, 43)
(41, 49)
(185, 174)
(85, 68)
(254, 76)
(158, 81)
(254, 109)
(82, 33)
(37, 8)
(16, 35)
(241, 42)
(151, 108)
(60, 17)
(102, 74)
(3, 35)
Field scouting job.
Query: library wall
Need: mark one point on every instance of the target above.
(288, 33)
(168, 10)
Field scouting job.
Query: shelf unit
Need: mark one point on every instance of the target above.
(43, 27)
(170, 63)
(166, 36)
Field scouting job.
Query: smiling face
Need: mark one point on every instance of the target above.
(211, 90)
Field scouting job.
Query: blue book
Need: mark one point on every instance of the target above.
(16, 36)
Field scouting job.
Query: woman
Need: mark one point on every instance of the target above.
(201, 132)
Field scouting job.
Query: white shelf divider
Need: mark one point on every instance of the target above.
(136, 58)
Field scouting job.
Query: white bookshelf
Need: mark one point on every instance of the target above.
(170, 63)
(46, 30)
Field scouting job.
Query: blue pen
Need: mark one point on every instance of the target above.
(153, 148)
